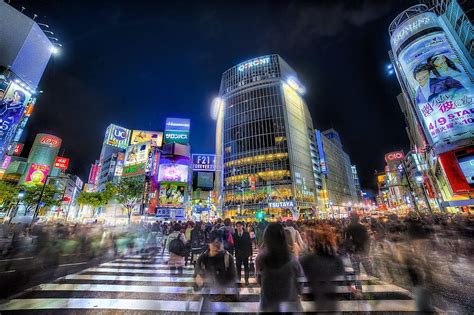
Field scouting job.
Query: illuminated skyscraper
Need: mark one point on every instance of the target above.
(24, 53)
(264, 136)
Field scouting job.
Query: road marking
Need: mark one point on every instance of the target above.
(22, 258)
(74, 264)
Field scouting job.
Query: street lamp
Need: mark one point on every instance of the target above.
(21, 195)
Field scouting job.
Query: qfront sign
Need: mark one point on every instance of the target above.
(204, 162)
(281, 204)
(254, 63)
(50, 140)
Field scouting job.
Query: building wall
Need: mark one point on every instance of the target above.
(339, 181)
(264, 139)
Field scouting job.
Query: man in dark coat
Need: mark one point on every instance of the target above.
(243, 250)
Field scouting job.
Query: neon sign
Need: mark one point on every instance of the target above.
(254, 63)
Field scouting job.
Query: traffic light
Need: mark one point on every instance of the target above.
(260, 215)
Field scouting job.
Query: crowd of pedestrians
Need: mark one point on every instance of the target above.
(294, 252)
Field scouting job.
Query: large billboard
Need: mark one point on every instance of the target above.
(173, 173)
(117, 136)
(13, 100)
(181, 137)
(171, 194)
(137, 154)
(440, 88)
(204, 162)
(205, 180)
(37, 174)
(178, 124)
(139, 136)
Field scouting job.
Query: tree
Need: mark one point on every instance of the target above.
(129, 193)
(31, 199)
(8, 194)
(96, 199)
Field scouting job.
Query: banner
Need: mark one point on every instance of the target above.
(441, 89)
(172, 194)
(37, 174)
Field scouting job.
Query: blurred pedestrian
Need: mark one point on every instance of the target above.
(177, 250)
(243, 251)
(278, 272)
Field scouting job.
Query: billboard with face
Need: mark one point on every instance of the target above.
(37, 174)
(117, 136)
(173, 173)
(171, 194)
(12, 106)
(441, 90)
(137, 154)
(140, 136)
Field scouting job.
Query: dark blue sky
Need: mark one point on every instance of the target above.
(134, 63)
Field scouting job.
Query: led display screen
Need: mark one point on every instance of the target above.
(205, 180)
(441, 90)
(172, 194)
(173, 173)
(467, 167)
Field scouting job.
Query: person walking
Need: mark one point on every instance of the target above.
(176, 244)
(243, 250)
(278, 272)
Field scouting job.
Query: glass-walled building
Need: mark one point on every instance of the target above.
(265, 130)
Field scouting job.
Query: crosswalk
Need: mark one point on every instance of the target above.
(132, 283)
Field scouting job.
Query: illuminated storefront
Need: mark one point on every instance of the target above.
(264, 133)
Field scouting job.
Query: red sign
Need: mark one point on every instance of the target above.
(52, 141)
(93, 173)
(61, 162)
(394, 156)
(67, 199)
(18, 149)
(451, 168)
(252, 183)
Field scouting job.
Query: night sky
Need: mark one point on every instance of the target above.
(134, 63)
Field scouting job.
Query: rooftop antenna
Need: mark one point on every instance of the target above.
(35, 16)
(22, 9)
(45, 25)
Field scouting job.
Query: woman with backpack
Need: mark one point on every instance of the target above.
(177, 248)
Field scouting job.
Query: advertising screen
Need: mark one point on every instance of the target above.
(93, 173)
(173, 173)
(139, 136)
(467, 167)
(133, 170)
(441, 90)
(178, 124)
(117, 136)
(171, 194)
(181, 137)
(37, 174)
(61, 162)
(12, 105)
(137, 154)
(205, 180)
(6, 162)
(120, 163)
(204, 162)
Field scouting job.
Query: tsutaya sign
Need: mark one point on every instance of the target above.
(282, 204)
(253, 63)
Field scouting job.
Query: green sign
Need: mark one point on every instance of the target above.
(181, 137)
(133, 170)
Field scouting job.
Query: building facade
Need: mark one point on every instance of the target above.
(40, 161)
(265, 131)
(432, 51)
(339, 185)
(20, 39)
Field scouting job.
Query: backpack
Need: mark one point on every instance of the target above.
(228, 238)
(177, 247)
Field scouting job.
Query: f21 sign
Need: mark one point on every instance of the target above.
(204, 162)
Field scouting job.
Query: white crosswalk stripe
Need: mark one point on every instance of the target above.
(135, 283)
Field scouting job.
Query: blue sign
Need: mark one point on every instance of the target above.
(177, 124)
(120, 134)
(322, 156)
(204, 162)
